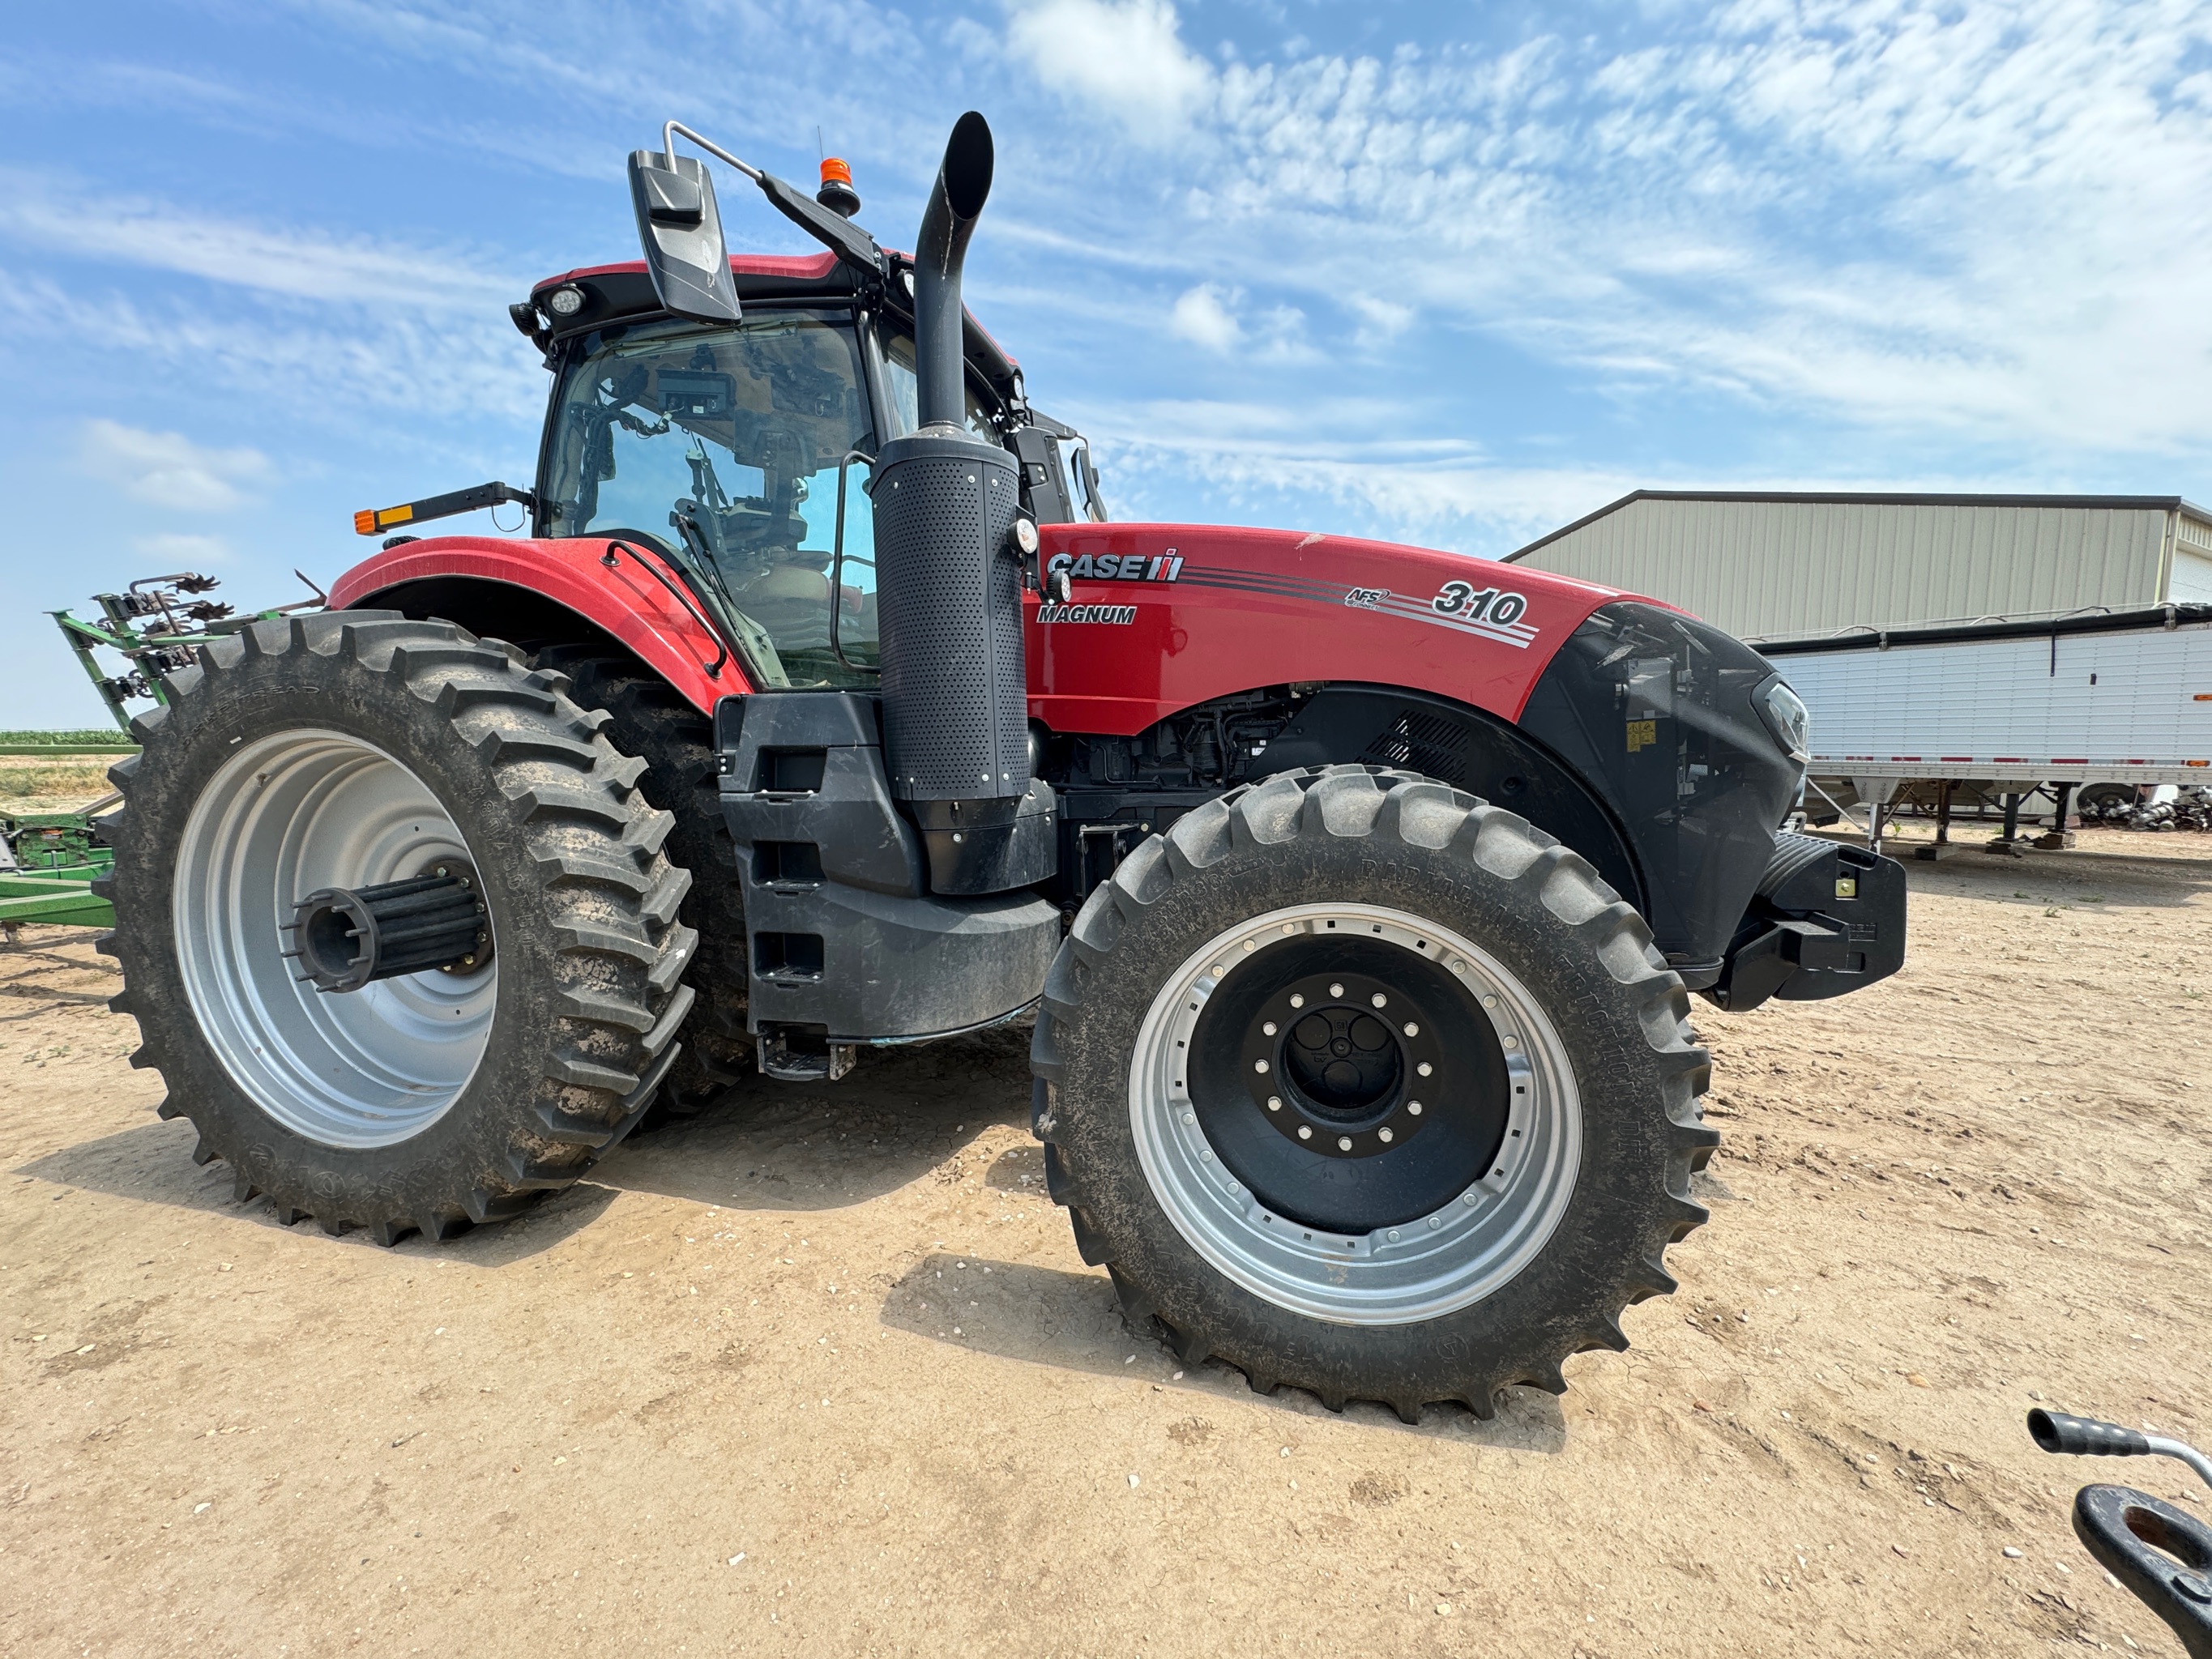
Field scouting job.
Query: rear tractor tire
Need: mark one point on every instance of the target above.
(652, 722)
(1371, 1089)
(353, 750)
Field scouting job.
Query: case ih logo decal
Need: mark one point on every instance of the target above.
(1458, 606)
(1120, 567)
(1112, 616)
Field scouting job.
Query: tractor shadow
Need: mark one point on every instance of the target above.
(1074, 1321)
(900, 1114)
(764, 1146)
(152, 1164)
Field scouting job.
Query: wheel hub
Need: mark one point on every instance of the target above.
(1339, 1062)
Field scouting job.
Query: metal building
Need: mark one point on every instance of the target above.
(1776, 567)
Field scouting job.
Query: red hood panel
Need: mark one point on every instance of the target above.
(1210, 610)
(1204, 612)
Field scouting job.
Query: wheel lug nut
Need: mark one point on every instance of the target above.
(1259, 1065)
(1413, 1108)
(1305, 1132)
(1268, 1029)
(1425, 1068)
(1274, 1103)
(1386, 1136)
(1344, 1143)
(1490, 1002)
(1436, 1221)
(1393, 1235)
(1296, 1000)
(1336, 990)
(1190, 1117)
(1412, 1030)
(1379, 1000)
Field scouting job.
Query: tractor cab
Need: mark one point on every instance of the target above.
(742, 452)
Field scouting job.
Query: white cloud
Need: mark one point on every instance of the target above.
(405, 370)
(181, 552)
(302, 262)
(1125, 56)
(168, 470)
(1201, 315)
(1990, 222)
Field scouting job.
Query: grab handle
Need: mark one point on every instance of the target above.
(2159, 1553)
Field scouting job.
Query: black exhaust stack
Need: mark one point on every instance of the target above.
(955, 679)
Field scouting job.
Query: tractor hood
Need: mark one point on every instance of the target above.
(1161, 617)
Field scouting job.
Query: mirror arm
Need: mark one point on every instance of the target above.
(668, 149)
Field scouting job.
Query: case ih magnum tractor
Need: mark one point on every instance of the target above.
(1358, 890)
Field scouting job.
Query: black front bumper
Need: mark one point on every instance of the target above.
(1827, 919)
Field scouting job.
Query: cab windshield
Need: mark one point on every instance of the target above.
(722, 446)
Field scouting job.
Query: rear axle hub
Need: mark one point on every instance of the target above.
(344, 938)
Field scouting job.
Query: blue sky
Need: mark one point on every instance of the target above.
(1452, 274)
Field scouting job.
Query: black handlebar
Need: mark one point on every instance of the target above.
(2084, 1437)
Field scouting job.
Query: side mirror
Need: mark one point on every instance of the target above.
(681, 229)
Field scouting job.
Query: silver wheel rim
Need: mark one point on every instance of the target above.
(1418, 1269)
(302, 810)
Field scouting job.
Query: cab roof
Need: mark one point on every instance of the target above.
(624, 292)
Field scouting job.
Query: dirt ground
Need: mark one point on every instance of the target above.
(824, 1375)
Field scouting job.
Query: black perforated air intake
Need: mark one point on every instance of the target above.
(955, 683)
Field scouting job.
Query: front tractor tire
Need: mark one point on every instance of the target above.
(1371, 1089)
(349, 750)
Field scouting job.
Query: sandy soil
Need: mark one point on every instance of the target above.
(825, 1375)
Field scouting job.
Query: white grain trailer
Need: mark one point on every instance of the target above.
(2007, 707)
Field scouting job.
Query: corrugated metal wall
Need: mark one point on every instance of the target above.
(1788, 569)
(2192, 560)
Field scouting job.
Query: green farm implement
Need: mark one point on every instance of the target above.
(49, 860)
(157, 626)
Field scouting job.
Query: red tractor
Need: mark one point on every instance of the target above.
(1357, 890)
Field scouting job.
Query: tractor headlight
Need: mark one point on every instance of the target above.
(565, 302)
(1789, 719)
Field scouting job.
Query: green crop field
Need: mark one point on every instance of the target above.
(67, 743)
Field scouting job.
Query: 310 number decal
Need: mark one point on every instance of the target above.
(1461, 599)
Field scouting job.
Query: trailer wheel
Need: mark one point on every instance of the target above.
(1371, 1089)
(652, 720)
(357, 751)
